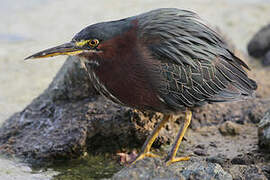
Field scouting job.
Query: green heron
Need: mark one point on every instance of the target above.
(166, 60)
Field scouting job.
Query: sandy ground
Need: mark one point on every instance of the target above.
(29, 26)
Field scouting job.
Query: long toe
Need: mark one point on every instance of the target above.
(177, 159)
(143, 155)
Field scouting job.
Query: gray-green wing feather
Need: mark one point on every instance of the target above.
(197, 65)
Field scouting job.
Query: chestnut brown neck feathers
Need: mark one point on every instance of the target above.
(123, 69)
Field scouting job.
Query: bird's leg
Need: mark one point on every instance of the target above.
(145, 152)
(171, 156)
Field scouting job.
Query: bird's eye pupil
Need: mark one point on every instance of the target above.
(93, 42)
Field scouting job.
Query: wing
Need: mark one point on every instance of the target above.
(197, 65)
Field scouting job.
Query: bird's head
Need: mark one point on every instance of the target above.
(90, 41)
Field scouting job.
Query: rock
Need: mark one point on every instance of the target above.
(242, 111)
(243, 159)
(266, 170)
(201, 152)
(251, 172)
(230, 128)
(70, 118)
(200, 146)
(260, 43)
(264, 132)
(266, 59)
(150, 168)
(255, 112)
(199, 170)
(213, 144)
(219, 159)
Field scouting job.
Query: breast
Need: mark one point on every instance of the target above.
(126, 74)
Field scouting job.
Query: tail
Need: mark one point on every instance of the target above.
(239, 85)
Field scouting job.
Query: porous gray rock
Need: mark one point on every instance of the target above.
(150, 168)
(250, 172)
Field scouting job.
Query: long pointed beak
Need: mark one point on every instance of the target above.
(64, 49)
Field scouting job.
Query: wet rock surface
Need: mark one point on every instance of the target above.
(58, 123)
(71, 118)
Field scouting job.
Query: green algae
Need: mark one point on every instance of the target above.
(87, 167)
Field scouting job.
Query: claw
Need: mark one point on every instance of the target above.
(150, 140)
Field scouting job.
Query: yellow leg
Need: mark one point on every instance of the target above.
(145, 152)
(171, 156)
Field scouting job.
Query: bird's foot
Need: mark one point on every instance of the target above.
(176, 159)
(143, 155)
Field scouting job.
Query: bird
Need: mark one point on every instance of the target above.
(166, 60)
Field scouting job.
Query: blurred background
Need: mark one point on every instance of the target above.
(28, 26)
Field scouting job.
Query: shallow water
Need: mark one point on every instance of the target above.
(88, 167)
(12, 169)
(28, 26)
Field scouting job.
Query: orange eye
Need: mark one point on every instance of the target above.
(93, 42)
